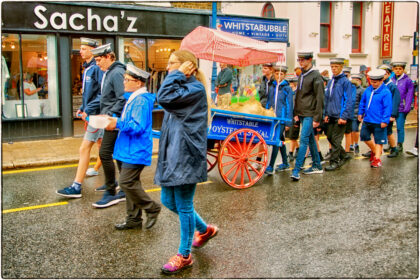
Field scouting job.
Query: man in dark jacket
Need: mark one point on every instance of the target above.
(338, 111)
(396, 99)
(112, 103)
(267, 83)
(223, 83)
(308, 111)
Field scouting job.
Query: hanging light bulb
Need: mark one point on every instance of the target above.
(157, 50)
(13, 46)
(161, 50)
(3, 45)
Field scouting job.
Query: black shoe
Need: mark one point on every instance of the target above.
(367, 154)
(291, 157)
(394, 153)
(128, 225)
(332, 166)
(387, 149)
(151, 220)
(356, 150)
(328, 155)
(400, 147)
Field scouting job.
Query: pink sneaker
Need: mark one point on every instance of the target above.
(201, 239)
(176, 264)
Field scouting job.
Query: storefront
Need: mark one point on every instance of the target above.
(40, 53)
(41, 64)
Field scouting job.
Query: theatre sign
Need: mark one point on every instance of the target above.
(387, 29)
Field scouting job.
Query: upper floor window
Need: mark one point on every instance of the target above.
(356, 41)
(268, 11)
(325, 28)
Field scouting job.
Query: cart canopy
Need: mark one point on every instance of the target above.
(229, 48)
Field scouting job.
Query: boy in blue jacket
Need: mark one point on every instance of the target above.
(396, 99)
(375, 111)
(133, 148)
(338, 111)
(281, 100)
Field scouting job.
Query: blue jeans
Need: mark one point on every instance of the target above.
(283, 150)
(400, 126)
(307, 139)
(179, 199)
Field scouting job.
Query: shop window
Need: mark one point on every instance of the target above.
(133, 50)
(30, 91)
(268, 11)
(356, 42)
(325, 28)
(158, 54)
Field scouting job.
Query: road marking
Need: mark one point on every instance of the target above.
(91, 163)
(65, 202)
(34, 207)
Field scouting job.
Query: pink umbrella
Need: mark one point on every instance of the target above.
(229, 48)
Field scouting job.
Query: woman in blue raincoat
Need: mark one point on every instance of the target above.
(182, 158)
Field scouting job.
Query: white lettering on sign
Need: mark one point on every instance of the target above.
(91, 18)
(73, 25)
(132, 22)
(53, 22)
(38, 12)
(78, 21)
(114, 19)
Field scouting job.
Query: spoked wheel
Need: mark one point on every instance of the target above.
(212, 156)
(238, 164)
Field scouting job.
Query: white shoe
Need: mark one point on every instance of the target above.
(413, 152)
(92, 172)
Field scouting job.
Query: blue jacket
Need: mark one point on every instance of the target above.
(182, 157)
(281, 100)
(338, 98)
(92, 78)
(380, 107)
(134, 144)
(396, 98)
(265, 88)
(112, 92)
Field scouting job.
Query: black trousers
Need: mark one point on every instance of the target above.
(335, 134)
(105, 153)
(136, 198)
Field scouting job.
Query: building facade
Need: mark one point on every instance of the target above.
(361, 32)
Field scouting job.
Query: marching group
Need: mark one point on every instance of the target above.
(118, 93)
(315, 104)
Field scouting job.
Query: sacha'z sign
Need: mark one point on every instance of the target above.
(387, 29)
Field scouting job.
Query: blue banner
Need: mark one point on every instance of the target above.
(276, 30)
(223, 126)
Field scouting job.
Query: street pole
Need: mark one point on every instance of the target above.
(214, 71)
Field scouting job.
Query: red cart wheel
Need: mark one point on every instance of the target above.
(238, 164)
(212, 156)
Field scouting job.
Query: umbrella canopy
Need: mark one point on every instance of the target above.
(229, 48)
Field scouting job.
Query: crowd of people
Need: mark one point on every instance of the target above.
(339, 107)
(311, 103)
(118, 93)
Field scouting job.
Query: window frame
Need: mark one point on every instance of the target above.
(328, 25)
(359, 28)
(268, 7)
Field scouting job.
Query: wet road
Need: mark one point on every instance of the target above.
(357, 222)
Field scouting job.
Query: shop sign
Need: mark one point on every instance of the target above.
(57, 17)
(260, 29)
(387, 29)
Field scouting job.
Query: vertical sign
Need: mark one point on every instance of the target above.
(387, 29)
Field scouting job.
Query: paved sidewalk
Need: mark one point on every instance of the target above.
(66, 150)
